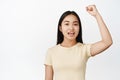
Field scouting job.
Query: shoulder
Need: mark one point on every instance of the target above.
(83, 45)
(53, 48)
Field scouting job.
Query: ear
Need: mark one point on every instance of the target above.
(60, 28)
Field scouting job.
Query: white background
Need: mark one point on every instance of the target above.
(29, 27)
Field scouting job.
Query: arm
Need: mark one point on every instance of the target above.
(48, 72)
(106, 39)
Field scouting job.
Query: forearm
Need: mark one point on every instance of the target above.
(105, 34)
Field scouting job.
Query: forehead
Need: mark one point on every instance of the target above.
(70, 18)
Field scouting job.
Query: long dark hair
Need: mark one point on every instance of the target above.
(59, 33)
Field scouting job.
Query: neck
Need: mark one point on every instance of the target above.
(68, 43)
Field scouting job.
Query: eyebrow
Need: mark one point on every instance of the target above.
(66, 21)
(73, 21)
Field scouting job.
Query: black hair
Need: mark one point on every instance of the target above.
(60, 36)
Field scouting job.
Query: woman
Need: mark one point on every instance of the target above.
(67, 60)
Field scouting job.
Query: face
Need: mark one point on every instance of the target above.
(70, 27)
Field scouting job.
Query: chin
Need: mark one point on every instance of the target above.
(72, 39)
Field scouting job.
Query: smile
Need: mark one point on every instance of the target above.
(71, 33)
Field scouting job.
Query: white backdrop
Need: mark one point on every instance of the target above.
(29, 27)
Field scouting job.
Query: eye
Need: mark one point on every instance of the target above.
(76, 24)
(66, 24)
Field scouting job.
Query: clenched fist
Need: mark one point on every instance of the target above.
(92, 10)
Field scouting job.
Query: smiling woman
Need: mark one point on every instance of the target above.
(28, 29)
(70, 28)
(69, 20)
(67, 60)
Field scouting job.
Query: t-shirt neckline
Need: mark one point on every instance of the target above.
(68, 47)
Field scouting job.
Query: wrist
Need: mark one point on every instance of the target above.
(97, 15)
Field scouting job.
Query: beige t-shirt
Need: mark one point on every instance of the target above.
(68, 63)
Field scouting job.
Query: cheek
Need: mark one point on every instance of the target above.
(77, 29)
(64, 29)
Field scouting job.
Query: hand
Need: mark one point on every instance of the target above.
(92, 10)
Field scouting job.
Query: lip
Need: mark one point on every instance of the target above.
(71, 33)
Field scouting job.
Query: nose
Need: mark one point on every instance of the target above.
(71, 27)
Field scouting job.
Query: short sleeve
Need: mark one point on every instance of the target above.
(88, 46)
(48, 58)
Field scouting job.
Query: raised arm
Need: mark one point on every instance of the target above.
(106, 39)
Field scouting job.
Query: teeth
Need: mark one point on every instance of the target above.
(71, 33)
